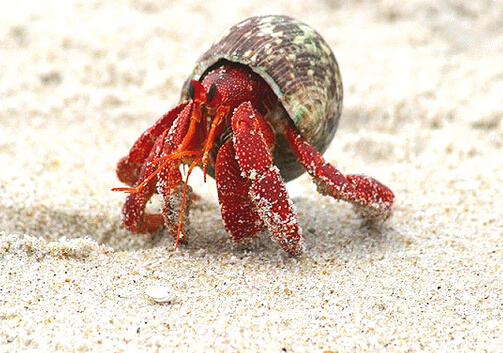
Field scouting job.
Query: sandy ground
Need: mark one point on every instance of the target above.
(80, 80)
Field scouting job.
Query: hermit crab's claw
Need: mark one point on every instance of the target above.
(251, 192)
(372, 199)
(153, 165)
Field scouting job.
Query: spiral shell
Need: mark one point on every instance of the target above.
(298, 65)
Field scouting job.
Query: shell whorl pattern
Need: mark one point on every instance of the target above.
(297, 64)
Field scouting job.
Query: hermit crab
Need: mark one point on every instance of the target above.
(261, 106)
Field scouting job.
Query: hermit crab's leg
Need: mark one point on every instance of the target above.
(238, 213)
(129, 167)
(134, 217)
(160, 169)
(252, 140)
(372, 199)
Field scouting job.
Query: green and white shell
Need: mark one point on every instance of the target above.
(298, 65)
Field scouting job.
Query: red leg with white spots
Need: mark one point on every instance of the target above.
(134, 217)
(159, 172)
(238, 212)
(372, 199)
(253, 139)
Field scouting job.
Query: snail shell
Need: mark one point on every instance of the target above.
(300, 68)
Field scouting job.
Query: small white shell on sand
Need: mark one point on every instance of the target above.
(160, 294)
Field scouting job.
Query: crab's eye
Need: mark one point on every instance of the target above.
(191, 90)
(196, 91)
(211, 93)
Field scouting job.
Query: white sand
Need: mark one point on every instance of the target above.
(80, 80)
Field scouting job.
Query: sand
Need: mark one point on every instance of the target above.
(79, 82)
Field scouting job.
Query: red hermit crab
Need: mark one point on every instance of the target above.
(260, 107)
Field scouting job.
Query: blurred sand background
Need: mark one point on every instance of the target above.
(423, 81)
